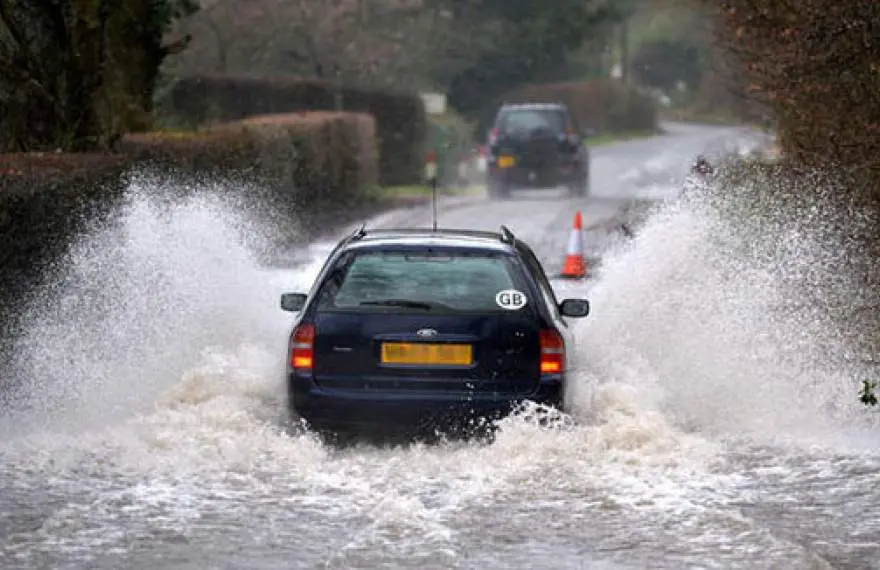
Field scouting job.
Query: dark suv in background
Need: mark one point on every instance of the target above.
(536, 145)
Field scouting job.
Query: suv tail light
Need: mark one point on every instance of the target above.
(493, 136)
(302, 347)
(552, 352)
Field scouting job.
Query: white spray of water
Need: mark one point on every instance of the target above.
(137, 302)
(679, 320)
(168, 318)
(713, 336)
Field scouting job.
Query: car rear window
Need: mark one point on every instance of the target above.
(442, 281)
(525, 120)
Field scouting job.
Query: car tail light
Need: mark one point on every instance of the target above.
(302, 347)
(552, 352)
(493, 136)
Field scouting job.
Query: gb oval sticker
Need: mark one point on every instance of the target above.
(511, 299)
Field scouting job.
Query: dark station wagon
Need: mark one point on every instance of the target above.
(426, 329)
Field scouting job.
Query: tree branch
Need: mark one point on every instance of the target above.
(9, 23)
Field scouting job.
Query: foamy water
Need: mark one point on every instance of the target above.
(147, 431)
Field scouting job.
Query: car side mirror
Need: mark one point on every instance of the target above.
(575, 308)
(293, 302)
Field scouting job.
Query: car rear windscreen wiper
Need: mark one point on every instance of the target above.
(400, 303)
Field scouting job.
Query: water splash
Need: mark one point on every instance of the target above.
(726, 325)
(136, 301)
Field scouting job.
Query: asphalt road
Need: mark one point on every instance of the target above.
(145, 434)
(649, 169)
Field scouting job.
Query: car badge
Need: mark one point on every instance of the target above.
(426, 333)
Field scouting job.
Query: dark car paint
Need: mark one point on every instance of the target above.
(352, 391)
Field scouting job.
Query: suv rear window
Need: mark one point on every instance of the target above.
(418, 281)
(525, 120)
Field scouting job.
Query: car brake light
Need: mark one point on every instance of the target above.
(552, 352)
(493, 136)
(302, 347)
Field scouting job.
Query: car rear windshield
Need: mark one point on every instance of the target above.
(527, 120)
(445, 281)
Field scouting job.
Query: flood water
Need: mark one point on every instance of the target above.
(141, 426)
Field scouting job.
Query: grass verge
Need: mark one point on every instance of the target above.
(420, 191)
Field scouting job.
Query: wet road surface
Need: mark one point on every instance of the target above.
(146, 430)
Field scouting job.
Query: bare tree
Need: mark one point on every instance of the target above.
(399, 43)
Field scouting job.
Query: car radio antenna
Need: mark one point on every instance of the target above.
(434, 202)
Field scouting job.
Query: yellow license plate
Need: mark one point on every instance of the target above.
(424, 353)
(505, 161)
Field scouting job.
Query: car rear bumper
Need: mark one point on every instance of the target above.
(375, 411)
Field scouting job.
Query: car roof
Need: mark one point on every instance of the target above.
(501, 241)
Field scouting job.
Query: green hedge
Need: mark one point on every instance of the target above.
(303, 162)
(400, 117)
(606, 105)
(308, 159)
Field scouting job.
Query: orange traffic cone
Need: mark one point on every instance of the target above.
(575, 266)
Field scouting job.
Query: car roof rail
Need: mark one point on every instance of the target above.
(507, 235)
(504, 234)
(535, 103)
(357, 234)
